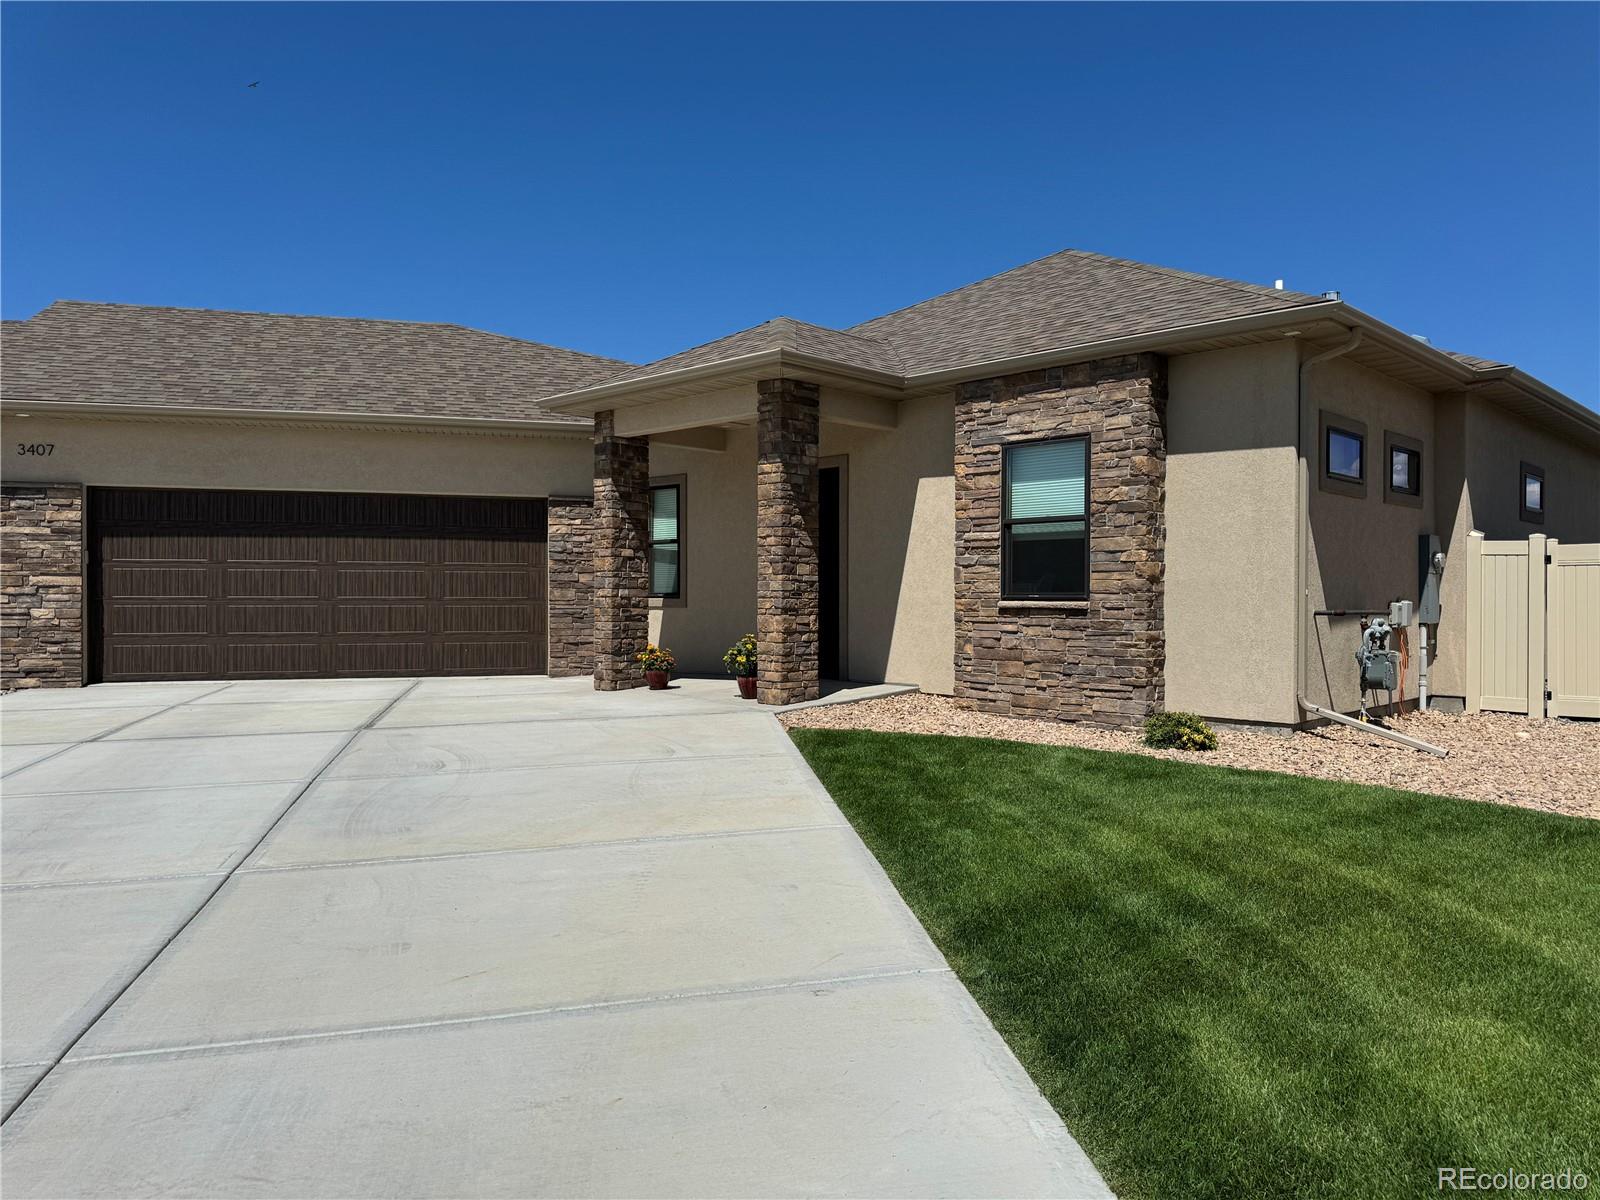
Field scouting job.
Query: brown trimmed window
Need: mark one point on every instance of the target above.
(1342, 447)
(665, 541)
(1405, 470)
(1531, 494)
(1345, 452)
(1045, 520)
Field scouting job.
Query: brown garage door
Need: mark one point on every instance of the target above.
(244, 585)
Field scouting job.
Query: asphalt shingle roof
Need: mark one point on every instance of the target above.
(1067, 299)
(128, 354)
(784, 333)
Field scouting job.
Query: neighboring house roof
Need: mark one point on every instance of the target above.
(781, 333)
(121, 354)
(1476, 363)
(1063, 300)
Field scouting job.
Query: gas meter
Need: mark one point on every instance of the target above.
(1380, 666)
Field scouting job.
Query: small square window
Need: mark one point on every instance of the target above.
(1531, 495)
(1346, 452)
(1403, 482)
(1342, 447)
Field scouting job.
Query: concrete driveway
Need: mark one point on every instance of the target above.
(472, 937)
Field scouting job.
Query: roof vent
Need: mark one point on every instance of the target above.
(1278, 283)
(1421, 337)
(1330, 295)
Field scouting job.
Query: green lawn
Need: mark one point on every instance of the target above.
(1240, 984)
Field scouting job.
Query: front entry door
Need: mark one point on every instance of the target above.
(830, 573)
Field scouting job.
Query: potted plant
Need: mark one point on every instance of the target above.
(657, 663)
(741, 663)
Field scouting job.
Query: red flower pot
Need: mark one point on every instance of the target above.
(747, 686)
(656, 679)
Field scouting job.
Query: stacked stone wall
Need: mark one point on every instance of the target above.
(42, 565)
(1099, 660)
(787, 580)
(621, 555)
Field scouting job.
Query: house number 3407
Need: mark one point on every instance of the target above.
(42, 449)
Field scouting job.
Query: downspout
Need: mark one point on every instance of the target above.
(1302, 539)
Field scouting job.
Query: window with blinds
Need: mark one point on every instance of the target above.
(665, 546)
(1045, 520)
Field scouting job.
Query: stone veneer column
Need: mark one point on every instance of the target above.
(569, 555)
(1099, 660)
(621, 555)
(787, 599)
(41, 609)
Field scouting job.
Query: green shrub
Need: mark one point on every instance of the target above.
(1178, 731)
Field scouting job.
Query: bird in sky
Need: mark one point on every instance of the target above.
(257, 83)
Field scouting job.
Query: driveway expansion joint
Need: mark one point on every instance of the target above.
(560, 762)
(41, 885)
(709, 835)
(555, 1010)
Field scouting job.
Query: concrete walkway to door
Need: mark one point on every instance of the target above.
(472, 937)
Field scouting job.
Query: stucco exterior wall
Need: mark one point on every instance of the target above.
(1481, 493)
(901, 622)
(1230, 533)
(718, 558)
(900, 602)
(270, 454)
(1362, 551)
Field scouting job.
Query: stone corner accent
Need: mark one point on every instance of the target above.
(788, 616)
(1099, 661)
(621, 555)
(41, 561)
(569, 555)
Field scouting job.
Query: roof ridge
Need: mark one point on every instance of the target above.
(1255, 289)
(400, 321)
(506, 337)
(876, 342)
(250, 312)
(952, 291)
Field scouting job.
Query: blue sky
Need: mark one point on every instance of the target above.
(631, 180)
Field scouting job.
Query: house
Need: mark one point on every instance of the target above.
(1085, 488)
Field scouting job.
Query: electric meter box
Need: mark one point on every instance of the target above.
(1430, 568)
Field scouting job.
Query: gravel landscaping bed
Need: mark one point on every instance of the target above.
(1553, 766)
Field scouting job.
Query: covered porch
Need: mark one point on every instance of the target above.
(723, 493)
(718, 515)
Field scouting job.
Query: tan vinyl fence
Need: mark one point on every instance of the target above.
(1533, 627)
